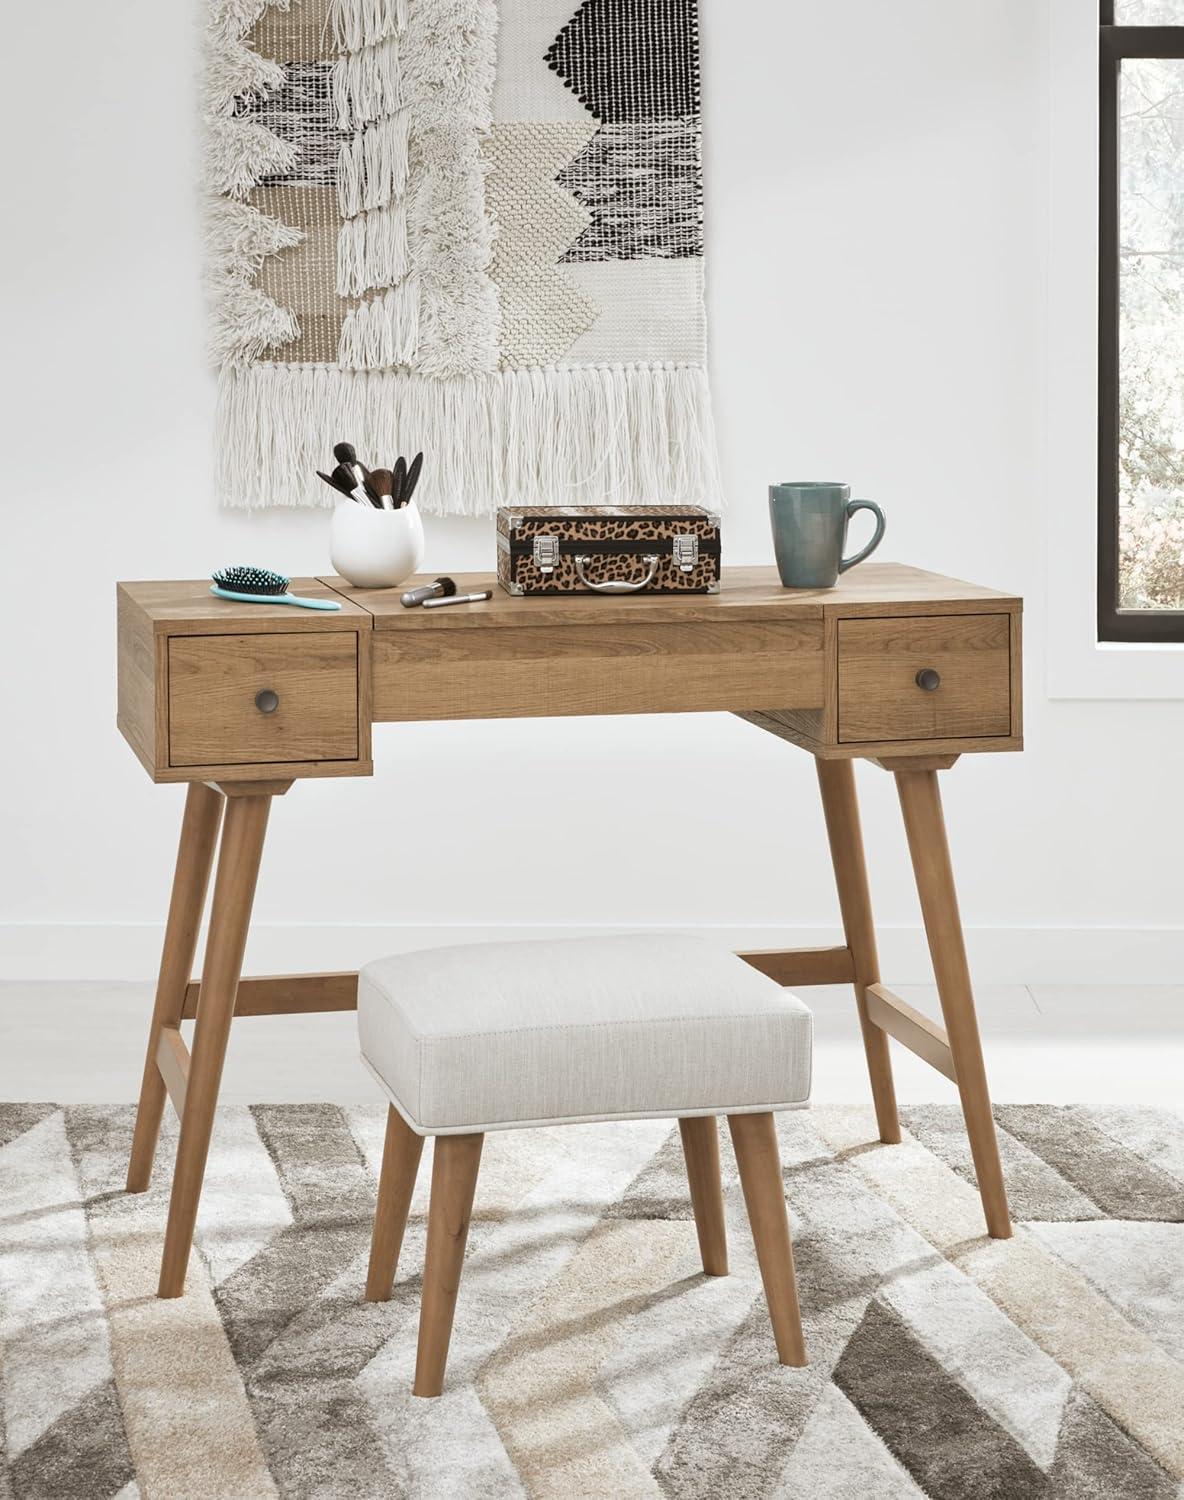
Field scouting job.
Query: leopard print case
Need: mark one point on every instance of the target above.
(544, 549)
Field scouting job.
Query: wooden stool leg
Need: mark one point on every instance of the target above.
(396, 1183)
(700, 1147)
(840, 806)
(920, 802)
(754, 1138)
(244, 827)
(455, 1159)
(195, 859)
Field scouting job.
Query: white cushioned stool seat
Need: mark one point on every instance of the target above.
(500, 1035)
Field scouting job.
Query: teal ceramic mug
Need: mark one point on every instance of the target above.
(810, 532)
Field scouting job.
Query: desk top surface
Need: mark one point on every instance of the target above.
(751, 593)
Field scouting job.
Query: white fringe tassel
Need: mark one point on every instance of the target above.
(382, 333)
(372, 250)
(361, 23)
(576, 435)
(366, 85)
(372, 166)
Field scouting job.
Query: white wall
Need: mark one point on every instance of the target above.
(876, 182)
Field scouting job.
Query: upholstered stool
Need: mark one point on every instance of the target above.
(500, 1036)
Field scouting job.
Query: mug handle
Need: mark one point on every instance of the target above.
(852, 507)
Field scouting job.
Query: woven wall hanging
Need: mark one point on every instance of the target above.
(472, 227)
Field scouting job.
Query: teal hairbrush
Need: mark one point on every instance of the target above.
(248, 585)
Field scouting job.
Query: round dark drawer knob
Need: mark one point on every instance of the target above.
(266, 701)
(928, 680)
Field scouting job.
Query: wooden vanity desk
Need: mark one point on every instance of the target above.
(901, 667)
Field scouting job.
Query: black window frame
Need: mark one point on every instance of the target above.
(1115, 43)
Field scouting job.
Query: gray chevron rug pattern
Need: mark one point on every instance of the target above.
(590, 1358)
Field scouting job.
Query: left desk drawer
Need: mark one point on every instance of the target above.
(262, 699)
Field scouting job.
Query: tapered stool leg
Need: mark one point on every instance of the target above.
(244, 828)
(195, 859)
(700, 1147)
(840, 807)
(396, 1183)
(920, 802)
(754, 1138)
(455, 1159)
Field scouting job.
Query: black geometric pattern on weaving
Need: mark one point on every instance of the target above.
(631, 59)
(642, 182)
(300, 112)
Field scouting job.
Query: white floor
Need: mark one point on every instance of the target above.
(83, 1043)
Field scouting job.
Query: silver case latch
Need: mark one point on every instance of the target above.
(686, 551)
(546, 553)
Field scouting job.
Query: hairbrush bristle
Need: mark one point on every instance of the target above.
(244, 578)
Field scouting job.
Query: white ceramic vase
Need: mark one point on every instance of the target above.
(376, 549)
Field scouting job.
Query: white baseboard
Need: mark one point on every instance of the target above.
(998, 955)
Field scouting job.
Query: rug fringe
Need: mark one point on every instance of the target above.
(372, 250)
(367, 85)
(372, 166)
(383, 332)
(575, 435)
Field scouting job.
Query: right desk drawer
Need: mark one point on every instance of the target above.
(932, 678)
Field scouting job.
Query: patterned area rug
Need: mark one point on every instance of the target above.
(590, 1357)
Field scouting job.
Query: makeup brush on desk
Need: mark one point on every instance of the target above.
(443, 588)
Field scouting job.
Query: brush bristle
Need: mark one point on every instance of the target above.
(447, 587)
(345, 453)
(244, 578)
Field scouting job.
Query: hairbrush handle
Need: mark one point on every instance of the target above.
(296, 599)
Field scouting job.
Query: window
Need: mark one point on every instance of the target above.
(1141, 322)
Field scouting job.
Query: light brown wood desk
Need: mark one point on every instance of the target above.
(900, 667)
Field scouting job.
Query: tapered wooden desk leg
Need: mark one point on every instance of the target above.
(195, 858)
(840, 806)
(920, 801)
(700, 1147)
(396, 1183)
(455, 1159)
(754, 1139)
(243, 831)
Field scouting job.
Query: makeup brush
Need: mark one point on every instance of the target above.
(381, 481)
(371, 494)
(398, 480)
(346, 453)
(457, 599)
(443, 588)
(412, 477)
(345, 489)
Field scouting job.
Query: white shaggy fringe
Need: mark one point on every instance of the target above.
(449, 55)
(372, 250)
(240, 153)
(361, 23)
(382, 333)
(244, 322)
(577, 435)
(366, 85)
(372, 166)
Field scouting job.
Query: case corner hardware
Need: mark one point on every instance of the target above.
(546, 553)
